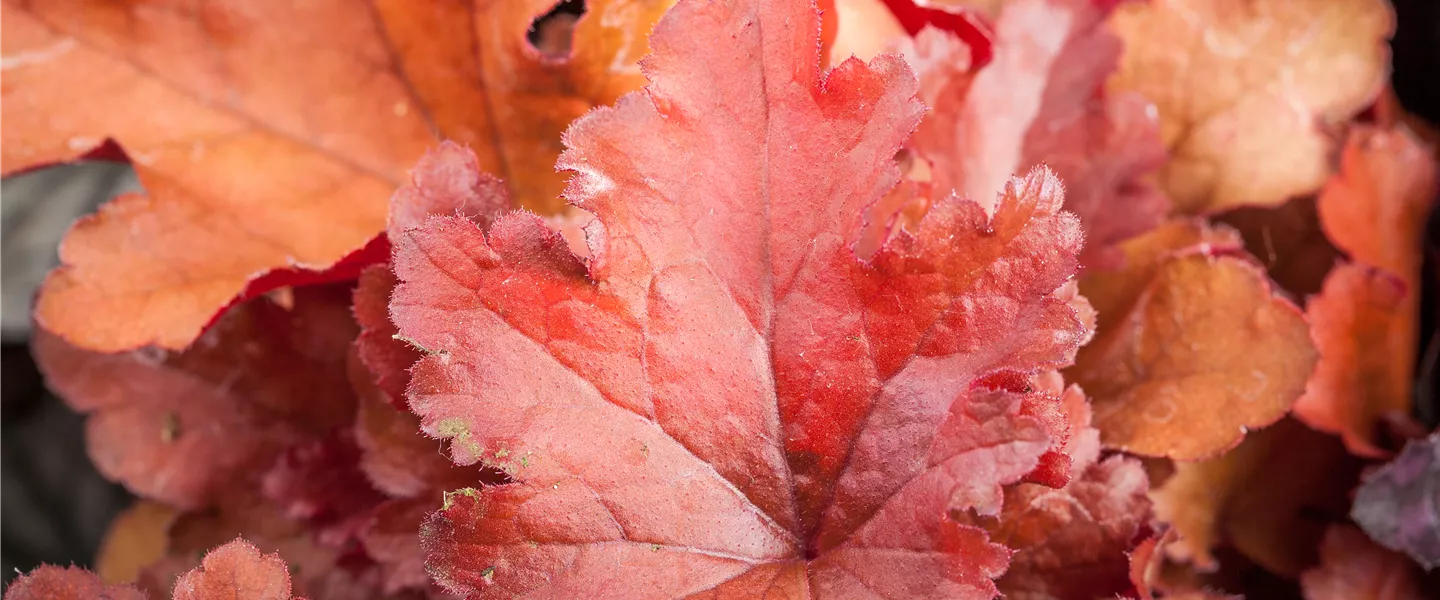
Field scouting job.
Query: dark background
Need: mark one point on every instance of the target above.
(56, 507)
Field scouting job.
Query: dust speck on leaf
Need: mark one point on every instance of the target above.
(169, 427)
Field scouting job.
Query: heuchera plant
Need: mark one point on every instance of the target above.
(1062, 299)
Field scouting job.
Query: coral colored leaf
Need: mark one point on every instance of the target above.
(1356, 381)
(1270, 498)
(400, 460)
(1247, 90)
(1104, 148)
(393, 540)
(1193, 346)
(265, 142)
(186, 427)
(723, 398)
(1041, 101)
(316, 572)
(236, 570)
(1145, 563)
(447, 180)
(1399, 504)
(1354, 568)
(49, 582)
(1375, 210)
(395, 456)
(1072, 542)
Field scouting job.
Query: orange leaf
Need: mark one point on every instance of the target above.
(865, 28)
(1358, 380)
(267, 142)
(136, 538)
(1112, 292)
(1354, 568)
(1270, 497)
(1192, 346)
(1246, 89)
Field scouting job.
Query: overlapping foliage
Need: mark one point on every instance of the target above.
(1050, 299)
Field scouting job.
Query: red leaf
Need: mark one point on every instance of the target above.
(321, 482)
(49, 582)
(236, 570)
(724, 399)
(185, 427)
(347, 269)
(1054, 467)
(401, 461)
(957, 20)
(1072, 542)
(393, 540)
(404, 463)
(1354, 568)
(1065, 414)
(1144, 560)
(386, 360)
